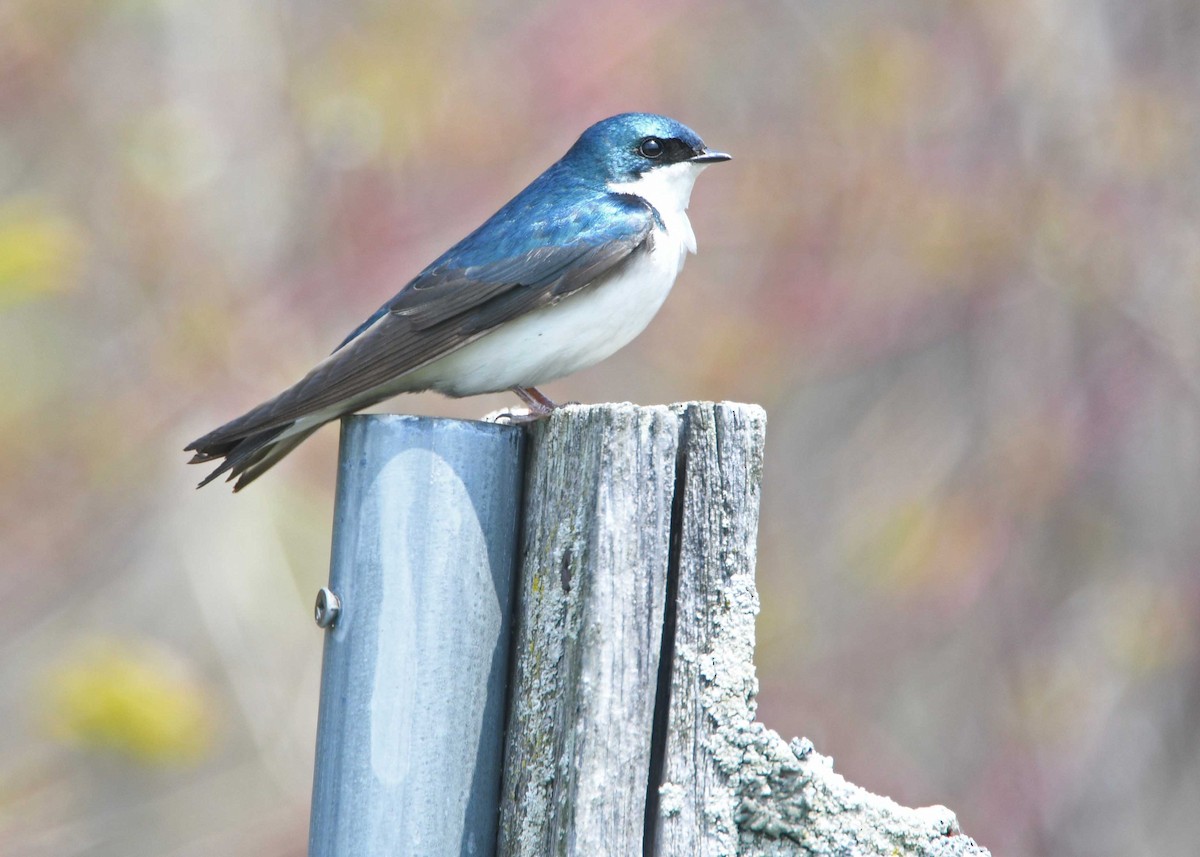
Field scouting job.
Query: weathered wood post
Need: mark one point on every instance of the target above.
(416, 661)
(639, 524)
(600, 483)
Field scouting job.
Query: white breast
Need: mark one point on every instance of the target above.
(554, 341)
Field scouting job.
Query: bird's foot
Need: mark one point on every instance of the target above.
(513, 417)
(538, 407)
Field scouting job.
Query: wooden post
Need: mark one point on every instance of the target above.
(599, 489)
(712, 666)
(637, 520)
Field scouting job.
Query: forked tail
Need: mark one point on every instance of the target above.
(248, 457)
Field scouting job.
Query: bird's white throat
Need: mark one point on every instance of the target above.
(669, 189)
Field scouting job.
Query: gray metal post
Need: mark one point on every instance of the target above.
(409, 739)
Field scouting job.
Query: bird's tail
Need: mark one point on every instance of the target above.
(249, 456)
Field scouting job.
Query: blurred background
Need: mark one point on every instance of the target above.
(956, 258)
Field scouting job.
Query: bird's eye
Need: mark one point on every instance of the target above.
(651, 147)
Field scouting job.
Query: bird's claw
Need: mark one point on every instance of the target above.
(514, 417)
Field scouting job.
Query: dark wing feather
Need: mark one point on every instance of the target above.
(445, 308)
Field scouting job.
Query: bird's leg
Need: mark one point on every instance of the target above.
(540, 406)
(539, 403)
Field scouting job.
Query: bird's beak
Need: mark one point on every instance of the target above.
(707, 157)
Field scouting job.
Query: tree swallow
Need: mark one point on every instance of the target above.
(570, 270)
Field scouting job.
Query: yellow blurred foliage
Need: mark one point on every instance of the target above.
(882, 80)
(953, 236)
(1149, 627)
(1049, 698)
(919, 543)
(129, 698)
(1141, 626)
(1147, 132)
(372, 90)
(1073, 245)
(40, 251)
(174, 150)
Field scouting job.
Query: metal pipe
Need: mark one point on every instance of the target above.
(409, 738)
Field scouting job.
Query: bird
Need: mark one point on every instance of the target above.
(567, 272)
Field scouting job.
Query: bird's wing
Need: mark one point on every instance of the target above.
(443, 309)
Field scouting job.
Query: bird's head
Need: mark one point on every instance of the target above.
(634, 149)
